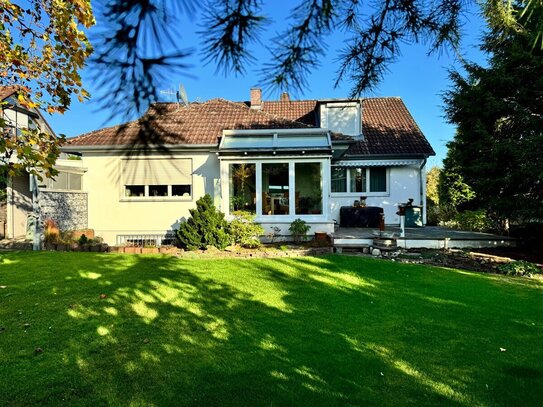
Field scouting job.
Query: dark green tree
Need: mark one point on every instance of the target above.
(499, 114)
(432, 185)
(205, 227)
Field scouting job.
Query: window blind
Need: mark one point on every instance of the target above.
(157, 171)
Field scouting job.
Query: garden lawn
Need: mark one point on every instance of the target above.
(335, 330)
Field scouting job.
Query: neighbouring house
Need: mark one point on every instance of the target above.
(281, 160)
(61, 199)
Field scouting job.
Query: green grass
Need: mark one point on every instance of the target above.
(305, 331)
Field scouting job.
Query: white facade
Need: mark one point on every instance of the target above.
(112, 213)
(404, 182)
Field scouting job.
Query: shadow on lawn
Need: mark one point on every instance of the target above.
(267, 332)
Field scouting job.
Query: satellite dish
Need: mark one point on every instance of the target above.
(182, 95)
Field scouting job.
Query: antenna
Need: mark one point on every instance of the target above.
(182, 95)
(171, 93)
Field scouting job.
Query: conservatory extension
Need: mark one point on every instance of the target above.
(278, 175)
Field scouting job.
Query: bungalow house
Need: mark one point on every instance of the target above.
(281, 160)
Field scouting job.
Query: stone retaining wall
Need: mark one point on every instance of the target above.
(69, 210)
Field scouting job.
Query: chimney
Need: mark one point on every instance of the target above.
(256, 98)
(285, 97)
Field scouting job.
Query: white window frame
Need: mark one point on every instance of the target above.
(367, 193)
(325, 185)
(147, 198)
(44, 187)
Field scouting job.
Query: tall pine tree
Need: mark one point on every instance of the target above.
(499, 114)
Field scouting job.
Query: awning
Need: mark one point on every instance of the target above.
(376, 163)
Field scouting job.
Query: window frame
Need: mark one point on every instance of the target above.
(259, 217)
(151, 198)
(367, 193)
(44, 185)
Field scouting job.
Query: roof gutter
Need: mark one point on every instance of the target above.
(134, 147)
(381, 156)
(271, 132)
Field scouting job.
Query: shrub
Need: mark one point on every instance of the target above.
(299, 229)
(476, 221)
(442, 215)
(66, 237)
(205, 227)
(244, 231)
(51, 233)
(83, 239)
(519, 268)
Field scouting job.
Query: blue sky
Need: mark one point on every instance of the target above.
(417, 78)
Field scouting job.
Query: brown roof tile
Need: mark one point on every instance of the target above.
(389, 128)
(198, 123)
(387, 125)
(303, 111)
(7, 91)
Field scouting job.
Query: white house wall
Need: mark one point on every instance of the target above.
(19, 206)
(403, 183)
(111, 215)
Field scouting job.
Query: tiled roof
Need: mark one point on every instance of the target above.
(389, 128)
(303, 111)
(199, 123)
(387, 125)
(7, 91)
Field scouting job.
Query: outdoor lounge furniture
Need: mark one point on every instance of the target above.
(361, 217)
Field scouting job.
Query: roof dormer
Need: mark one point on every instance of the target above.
(341, 117)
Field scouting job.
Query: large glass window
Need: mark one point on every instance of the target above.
(157, 178)
(359, 179)
(378, 179)
(243, 187)
(339, 179)
(65, 181)
(275, 189)
(308, 188)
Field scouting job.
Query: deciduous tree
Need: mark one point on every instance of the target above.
(42, 49)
